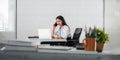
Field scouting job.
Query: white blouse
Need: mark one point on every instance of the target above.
(64, 31)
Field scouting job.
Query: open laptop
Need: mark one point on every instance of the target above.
(44, 33)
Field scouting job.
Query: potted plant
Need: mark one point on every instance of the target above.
(90, 39)
(101, 38)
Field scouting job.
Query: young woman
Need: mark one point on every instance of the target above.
(60, 29)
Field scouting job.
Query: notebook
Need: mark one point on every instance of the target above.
(22, 42)
(44, 33)
(18, 48)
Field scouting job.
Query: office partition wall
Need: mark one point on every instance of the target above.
(35, 14)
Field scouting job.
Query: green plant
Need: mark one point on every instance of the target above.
(91, 33)
(101, 36)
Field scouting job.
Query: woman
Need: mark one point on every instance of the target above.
(60, 29)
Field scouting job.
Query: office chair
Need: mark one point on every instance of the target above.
(75, 40)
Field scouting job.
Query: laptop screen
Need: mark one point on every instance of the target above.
(44, 33)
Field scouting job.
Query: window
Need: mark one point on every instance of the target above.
(6, 15)
(3, 15)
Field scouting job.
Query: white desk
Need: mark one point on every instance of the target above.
(49, 40)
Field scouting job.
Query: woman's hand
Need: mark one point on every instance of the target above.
(55, 24)
(57, 37)
(53, 36)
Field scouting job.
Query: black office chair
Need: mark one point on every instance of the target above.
(75, 40)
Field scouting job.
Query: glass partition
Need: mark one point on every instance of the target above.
(38, 14)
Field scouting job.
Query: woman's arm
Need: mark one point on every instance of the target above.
(64, 33)
(53, 32)
(55, 36)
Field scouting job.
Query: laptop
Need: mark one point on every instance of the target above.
(44, 33)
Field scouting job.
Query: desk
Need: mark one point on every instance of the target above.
(50, 41)
(53, 41)
(33, 41)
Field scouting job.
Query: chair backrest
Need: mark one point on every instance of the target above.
(75, 40)
(77, 34)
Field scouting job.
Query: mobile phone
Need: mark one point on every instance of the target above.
(55, 24)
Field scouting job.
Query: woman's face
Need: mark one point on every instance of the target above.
(59, 22)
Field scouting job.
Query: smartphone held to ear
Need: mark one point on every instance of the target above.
(55, 24)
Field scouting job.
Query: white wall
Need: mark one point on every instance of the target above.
(112, 22)
(35, 14)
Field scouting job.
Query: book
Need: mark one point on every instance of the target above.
(22, 42)
(19, 48)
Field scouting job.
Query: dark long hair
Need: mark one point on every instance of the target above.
(64, 23)
(62, 19)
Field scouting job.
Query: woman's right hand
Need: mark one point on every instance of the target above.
(55, 24)
(53, 36)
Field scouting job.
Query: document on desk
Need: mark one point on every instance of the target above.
(22, 42)
(48, 47)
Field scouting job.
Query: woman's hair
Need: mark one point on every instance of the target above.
(62, 19)
(63, 22)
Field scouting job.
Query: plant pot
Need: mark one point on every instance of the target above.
(99, 47)
(89, 44)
